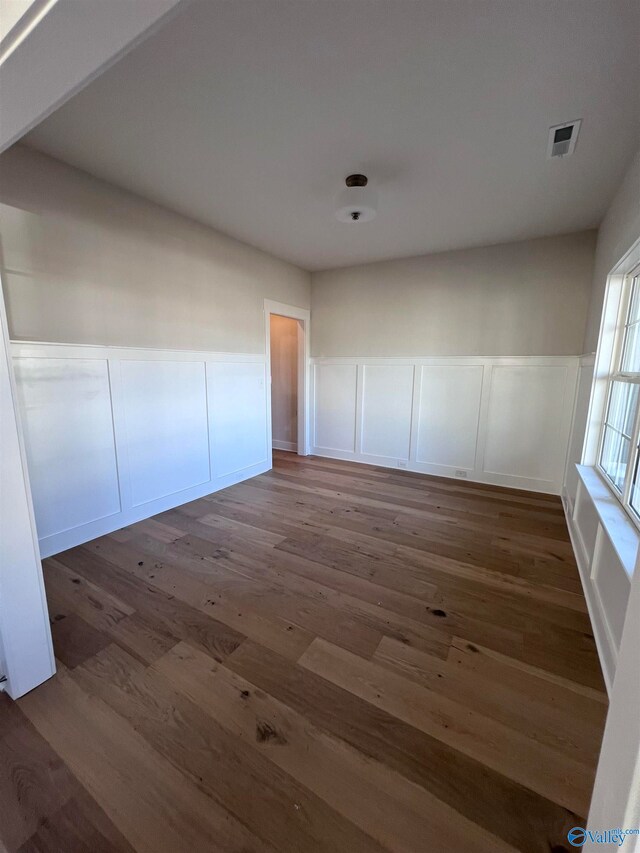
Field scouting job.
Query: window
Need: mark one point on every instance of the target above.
(619, 454)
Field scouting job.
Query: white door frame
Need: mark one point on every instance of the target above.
(303, 316)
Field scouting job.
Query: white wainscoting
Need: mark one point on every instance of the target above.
(494, 420)
(605, 543)
(163, 422)
(334, 397)
(67, 420)
(114, 435)
(385, 430)
(448, 394)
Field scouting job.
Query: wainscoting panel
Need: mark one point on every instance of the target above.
(449, 415)
(114, 435)
(165, 416)
(587, 521)
(523, 428)
(492, 420)
(596, 522)
(613, 586)
(335, 407)
(68, 429)
(387, 395)
(237, 412)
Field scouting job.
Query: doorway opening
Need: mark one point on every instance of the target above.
(284, 382)
(287, 351)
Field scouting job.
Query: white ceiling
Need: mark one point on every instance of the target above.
(247, 116)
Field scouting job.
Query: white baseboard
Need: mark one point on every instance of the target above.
(546, 487)
(58, 542)
(284, 445)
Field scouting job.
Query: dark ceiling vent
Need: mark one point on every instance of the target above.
(563, 138)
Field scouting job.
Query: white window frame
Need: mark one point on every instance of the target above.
(616, 374)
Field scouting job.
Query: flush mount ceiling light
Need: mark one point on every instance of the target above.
(358, 202)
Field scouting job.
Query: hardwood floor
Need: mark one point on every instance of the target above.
(328, 657)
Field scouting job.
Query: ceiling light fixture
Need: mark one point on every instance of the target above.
(358, 202)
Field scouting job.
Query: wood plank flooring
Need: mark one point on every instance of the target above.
(328, 657)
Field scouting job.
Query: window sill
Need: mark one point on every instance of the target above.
(624, 535)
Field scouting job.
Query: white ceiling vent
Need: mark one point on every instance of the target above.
(563, 138)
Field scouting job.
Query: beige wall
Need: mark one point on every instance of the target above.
(526, 298)
(84, 262)
(619, 230)
(284, 379)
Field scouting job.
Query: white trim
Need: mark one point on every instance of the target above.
(605, 354)
(615, 340)
(119, 419)
(585, 361)
(624, 535)
(48, 349)
(303, 315)
(284, 310)
(358, 425)
(510, 482)
(483, 413)
(445, 359)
